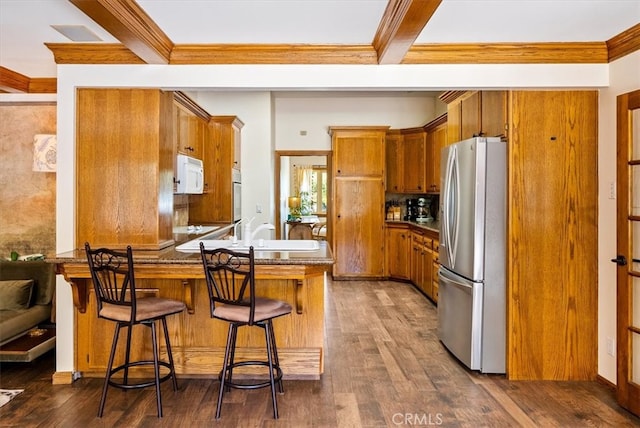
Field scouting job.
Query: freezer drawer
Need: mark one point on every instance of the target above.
(460, 317)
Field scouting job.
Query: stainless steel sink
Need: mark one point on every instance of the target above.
(263, 245)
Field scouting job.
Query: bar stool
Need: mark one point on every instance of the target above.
(115, 289)
(230, 277)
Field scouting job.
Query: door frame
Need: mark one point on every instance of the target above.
(627, 392)
(277, 187)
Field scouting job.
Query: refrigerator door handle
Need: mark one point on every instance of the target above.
(451, 206)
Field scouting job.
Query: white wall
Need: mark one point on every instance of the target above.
(624, 77)
(243, 90)
(315, 112)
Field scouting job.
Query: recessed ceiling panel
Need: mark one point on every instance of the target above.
(267, 21)
(521, 21)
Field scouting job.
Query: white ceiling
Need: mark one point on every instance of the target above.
(25, 25)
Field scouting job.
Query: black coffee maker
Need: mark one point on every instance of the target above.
(412, 210)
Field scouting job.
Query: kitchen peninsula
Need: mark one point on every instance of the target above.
(198, 341)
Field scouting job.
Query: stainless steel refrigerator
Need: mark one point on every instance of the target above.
(473, 229)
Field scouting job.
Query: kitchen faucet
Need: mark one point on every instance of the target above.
(249, 235)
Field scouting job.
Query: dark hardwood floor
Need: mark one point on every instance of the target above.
(384, 367)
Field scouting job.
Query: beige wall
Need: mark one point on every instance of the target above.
(28, 198)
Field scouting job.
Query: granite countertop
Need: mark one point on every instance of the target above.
(169, 255)
(433, 226)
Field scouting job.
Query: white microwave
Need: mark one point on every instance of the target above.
(190, 177)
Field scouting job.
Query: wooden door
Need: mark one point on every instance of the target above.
(394, 161)
(470, 116)
(397, 251)
(628, 259)
(494, 113)
(358, 228)
(415, 169)
(552, 244)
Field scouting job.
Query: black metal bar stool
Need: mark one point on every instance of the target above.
(230, 279)
(115, 288)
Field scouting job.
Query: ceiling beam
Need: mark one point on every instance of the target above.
(401, 24)
(13, 82)
(130, 24)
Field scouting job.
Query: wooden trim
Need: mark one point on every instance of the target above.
(400, 26)
(449, 96)
(14, 82)
(606, 383)
(62, 378)
(92, 53)
(440, 120)
(273, 54)
(43, 85)
(11, 81)
(508, 53)
(180, 98)
(131, 25)
(624, 43)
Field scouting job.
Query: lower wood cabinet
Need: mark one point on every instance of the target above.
(398, 251)
(422, 251)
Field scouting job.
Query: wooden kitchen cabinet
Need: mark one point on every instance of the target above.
(360, 151)
(416, 258)
(124, 161)
(398, 251)
(415, 160)
(394, 151)
(357, 215)
(494, 113)
(552, 293)
(190, 128)
(435, 268)
(220, 158)
(436, 140)
(475, 113)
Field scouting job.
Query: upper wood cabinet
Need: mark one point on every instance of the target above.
(494, 113)
(221, 156)
(475, 113)
(191, 127)
(363, 153)
(436, 140)
(415, 158)
(394, 150)
(124, 168)
(357, 215)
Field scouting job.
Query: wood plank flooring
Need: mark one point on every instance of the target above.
(384, 368)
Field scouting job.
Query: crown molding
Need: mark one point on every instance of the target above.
(624, 43)
(508, 53)
(13, 82)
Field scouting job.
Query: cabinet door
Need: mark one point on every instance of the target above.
(494, 113)
(454, 121)
(358, 152)
(416, 259)
(358, 227)
(470, 116)
(415, 170)
(553, 160)
(439, 141)
(397, 252)
(395, 162)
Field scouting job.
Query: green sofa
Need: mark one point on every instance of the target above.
(26, 296)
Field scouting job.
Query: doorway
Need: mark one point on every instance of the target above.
(628, 249)
(303, 193)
